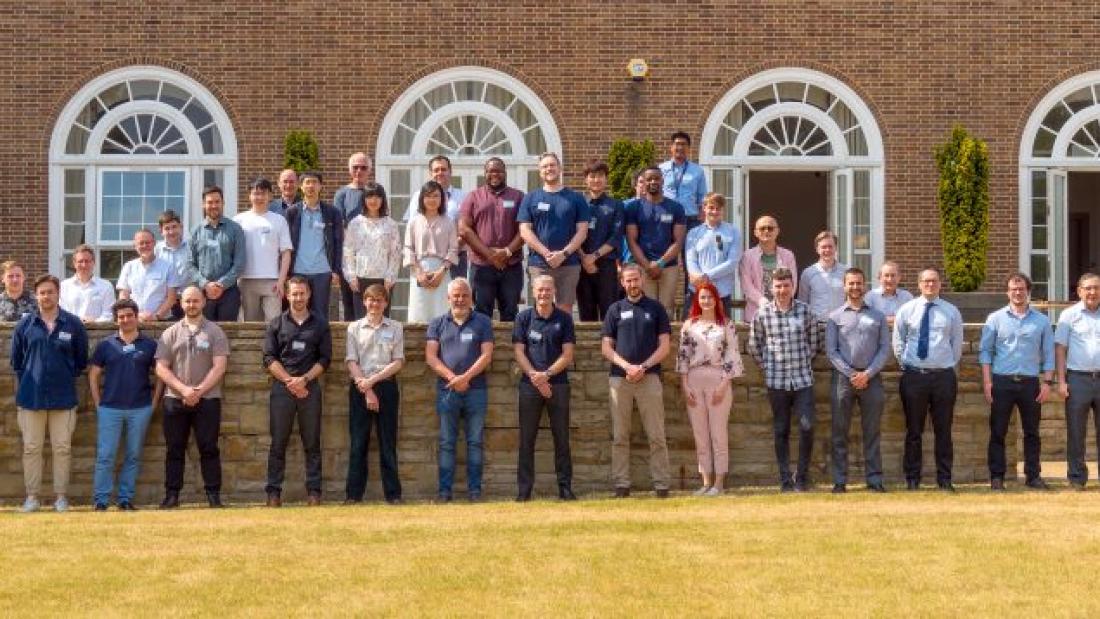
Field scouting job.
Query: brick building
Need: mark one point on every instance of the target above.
(824, 112)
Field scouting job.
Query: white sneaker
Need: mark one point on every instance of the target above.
(702, 491)
(712, 491)
(30, 505)
(61, 505)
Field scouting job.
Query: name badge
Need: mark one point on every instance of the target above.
(592, 223)
(509, 204)
(211, 242)
(129, 348)
(299, 346)
(628, 314)
(647, 316)
(386, 336)
(65, 336)
(543, 206)
(866, 321)
(466, 336)
(666, 218)
(265, 230)
(202, 344)
(535, 336)
(318, 225)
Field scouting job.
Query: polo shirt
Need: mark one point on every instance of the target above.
(636, 327)
(460, 345)
(1079, 331)
(298, 346)
(655, 224)
(46, 364)
(126, 383)
(687, 184)
(605, 227)
(493, 214)
(266, 237)
(310, 259)
(1012, 344)
(92, 299)
(544, 339)
(190, 356)
(148, 284)
(217, 252)
(554, 216)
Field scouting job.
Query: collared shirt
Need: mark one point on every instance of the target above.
(715, 252)
(349, 201)
(493, 214)
(266, 237)
(298, 346)
(687, 184)
(91, 300)
(655, 224)
(1017, 344)
(756, 279)
(148, 284)
(375, 347)
(217, 252)
(180, 259)
(127, 367)
(279, 206)
(310, 259)
(887, 304)
(783, 344)
(606, 226)
(433, 241)
(945, 334)
(857, 339)
(12, 310)
(822, 289)
(460, 344)
(1079, 331)
(372, 248)
(47, 363)
(708, 344)
(544, 339)
(636, 328)
(190, 354)
(554, 217)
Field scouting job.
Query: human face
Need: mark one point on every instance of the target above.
(596, 183)
(83, 262)
(888, 278)
(854, 288)
(1018, 294)
(713, 212)
(127, 320)
(766, 230)
(826, 250)
(298, 296)
(1089, 292)
(14, 278)
(654, 184)
(549, 171)
(375, 305)
(358, 168)
(679, 149)
(433, 201)
(495, 174)
(143, 245)
(212, 205)
(288, 185)
(544, 293)
(192, 303)
(783, 291)
(311, 188)
(639, 187)
(259, 198)
(632, 283)
(46, 296)
(172, 231)
(441, 172)
(929, 284)
(374, 205)
(706, 300)
(459, 298)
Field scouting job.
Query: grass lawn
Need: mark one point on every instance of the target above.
(750, 553)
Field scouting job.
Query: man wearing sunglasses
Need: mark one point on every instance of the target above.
(349, 201)
(759, 262)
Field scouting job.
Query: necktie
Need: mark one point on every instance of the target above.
(925, 324)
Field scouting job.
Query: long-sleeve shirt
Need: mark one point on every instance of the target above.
(783, 344)
(47, 363)
(754, 285)
(298, 346)
(708, 344)
(425, 239)
(945, 334)
(372, 248)
(857, 339)
(217, 252)
(91, 300)
(822, 289)
(888, 304)
(179, 257)
(1014, 344)
(715, 252)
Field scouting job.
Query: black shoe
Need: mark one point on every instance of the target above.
(839, 488)
(787, 486)
(352, 501)
(661, 493)
(102, 507)
(473, 497)
(803, 486)
(1037, 484)
(274, 499)
(876, 487)
(997, 484)
(621, 492)
(214, 499)
(565, 493)
(395, 501)
(946, 486)
(443, 498)
(171, 500)
(523, 497)
(124, 506)
(1077, 485)
(912, 484)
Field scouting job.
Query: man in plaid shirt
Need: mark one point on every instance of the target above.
(783, 339)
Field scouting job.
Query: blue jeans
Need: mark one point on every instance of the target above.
(109, 430)
(471, 407)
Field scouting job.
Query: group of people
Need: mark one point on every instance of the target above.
(278, 261)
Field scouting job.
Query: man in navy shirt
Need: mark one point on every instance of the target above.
(543, 340)
(635, 340)
(124, 362)
(553, 221)
(459, 348)
(655, 229)
(48, 352)
(599, 281)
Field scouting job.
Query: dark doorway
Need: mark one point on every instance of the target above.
(1083, 224)
(799, 200)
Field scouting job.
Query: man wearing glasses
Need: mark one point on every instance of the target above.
(349, 201)
(759, 262)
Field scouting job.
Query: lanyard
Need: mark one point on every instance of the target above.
(677, 179)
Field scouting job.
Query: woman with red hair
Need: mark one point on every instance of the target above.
(707, 360)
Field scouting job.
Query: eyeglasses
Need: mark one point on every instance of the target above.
(356, 168)
(765, 228)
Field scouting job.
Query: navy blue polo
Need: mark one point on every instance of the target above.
(655, 223)
(554, 216)
(606, 226)
(126, 367)
(543, 339)
(47, 363)
(636, 328)
(460, 345)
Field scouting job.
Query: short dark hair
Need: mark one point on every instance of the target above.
(168, 217)
(209, 189)
(299, 279)
(1020, 275)
(680, 135)
(855, 271)
(377, 291)
(311, 173)
(375, 190)
(595, 166)
(123, 304)
(782, 274)
(431, 187)
(47, 278)
(442, 158)
(495, 159)
(260, 183)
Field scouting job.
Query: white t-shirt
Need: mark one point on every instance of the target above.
(91, 301)
(265, 238)
(148, 283)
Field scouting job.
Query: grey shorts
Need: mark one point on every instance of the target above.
(565, 281)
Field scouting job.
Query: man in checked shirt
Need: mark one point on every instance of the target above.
(783, 338)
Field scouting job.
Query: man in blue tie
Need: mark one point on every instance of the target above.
(928, 336)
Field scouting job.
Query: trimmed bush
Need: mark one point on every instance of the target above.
(624, 158)
(963, 163)
(300, 151)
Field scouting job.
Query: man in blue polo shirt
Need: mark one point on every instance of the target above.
(635, 339)
(124, 361)
(655, 229)
(543, 339)
(599, 280)
(553, 221)
(459, 348)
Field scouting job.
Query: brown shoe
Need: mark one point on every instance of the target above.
(313, 500)
(274, 500)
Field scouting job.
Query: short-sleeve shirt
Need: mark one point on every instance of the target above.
(266, 236)
(375, 347)
(544, 339)
(636, 328)
(460, 345)
(655, 222)
(1079, 331)
(494, 219)
(554, 216)
(190, 356)
(126, 367)
(148, 284)
(605, 227)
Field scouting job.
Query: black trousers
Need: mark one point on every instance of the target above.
(597, 291)
(1007, 394)
(283, 409)
(531, 405)
(784, 404)
(226, 308)
(496, 288)
(206, 419)
(924, 394)
(352, 303)
(360, 422)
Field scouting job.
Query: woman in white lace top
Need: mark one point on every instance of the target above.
(372, 247)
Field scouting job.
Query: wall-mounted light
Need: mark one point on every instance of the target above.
(638, 69)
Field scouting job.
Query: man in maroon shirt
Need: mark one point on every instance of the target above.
(487, 223)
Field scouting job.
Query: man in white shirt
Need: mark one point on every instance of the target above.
(84, 295)
(439, 167)
(267, 255)
(150, 281)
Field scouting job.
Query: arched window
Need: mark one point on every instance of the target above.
(131, 144)
(802, 131)
(468, 114)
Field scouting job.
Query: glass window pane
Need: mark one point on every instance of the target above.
(169, 137)
(155, 183)
(402, 141)
(1077, 150)
(133, 184)
(469, 91)
(216, 176)
(116, 141)
(857, 144)
(197, 114)
(843, 116)
(439, 96)
(819, 98)
(74, 235)
(153, 207)
(1040, 268)
(1056, 117)
(111, 261)
(497, 96)
(76, 142)
(145, 127)
(174, 96)
(761, 98)
(115, 96)
(791, 91)
(1039, 211)
(738, 115)
(723, 143)
(174, 186)
(74, 181)
(522, 115)
(1039, 185)
(130, 128)
(400, 182)
(74, 209)
(1044, 143)
(416, 114)
(1080, 99)
(211, 140)
(144, 90)
(131, 208)
(533, 140)
(91, 114)
(1039, 240)
(533, 180)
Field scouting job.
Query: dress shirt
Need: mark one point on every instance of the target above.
(606, 226)
(190, 354)
(656, 225)
(217, 252)
(708, 344)
(887, 304)
(310, 259)
(298, 346)
(12, 310)
(822, 289)
(1079, 331)
(1017, 345)
(687, 184)
(751, 274)
(454, 196)
(372, 248)
(706, 257)
(857, 339)
(349, 201)
(180, 259)
(148, 284)
(90, 300)
(375, 347)
(783, 344)
(47, 363)
(437, 239)
(945, 334)
(266, 237)
(493, 219)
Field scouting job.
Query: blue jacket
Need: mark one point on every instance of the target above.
(48, 364)
(334, 234)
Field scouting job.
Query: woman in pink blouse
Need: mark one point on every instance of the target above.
(431, 247)
(372, 248)
(708, 358)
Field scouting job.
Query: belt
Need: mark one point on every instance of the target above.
(1091, 374)
(1016, 378)
(915, 370)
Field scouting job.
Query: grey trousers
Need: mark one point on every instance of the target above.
(871, 402)
(1084, 394)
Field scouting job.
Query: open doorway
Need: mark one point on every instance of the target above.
(1083, 224)
(799, 200)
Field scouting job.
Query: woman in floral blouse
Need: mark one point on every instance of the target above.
(431, 247)
(15, 299)
(372, 247)
(708, 358)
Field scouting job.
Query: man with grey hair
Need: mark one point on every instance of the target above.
(887, 297)
(349, 201)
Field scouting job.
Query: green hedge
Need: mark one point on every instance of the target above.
(300, 151)
(963, 163)
(624, 158)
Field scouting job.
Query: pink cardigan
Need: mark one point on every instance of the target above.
(752, 276)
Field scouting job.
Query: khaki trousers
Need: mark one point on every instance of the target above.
(664, 288)
(651, 408)
(258, 302)
(33, 424)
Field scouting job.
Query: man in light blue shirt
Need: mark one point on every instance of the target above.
(1017, 349)
(684, 181)
(928, 337)
(1077, 358)
(713, 251)
(822, 283)
(887, 297)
